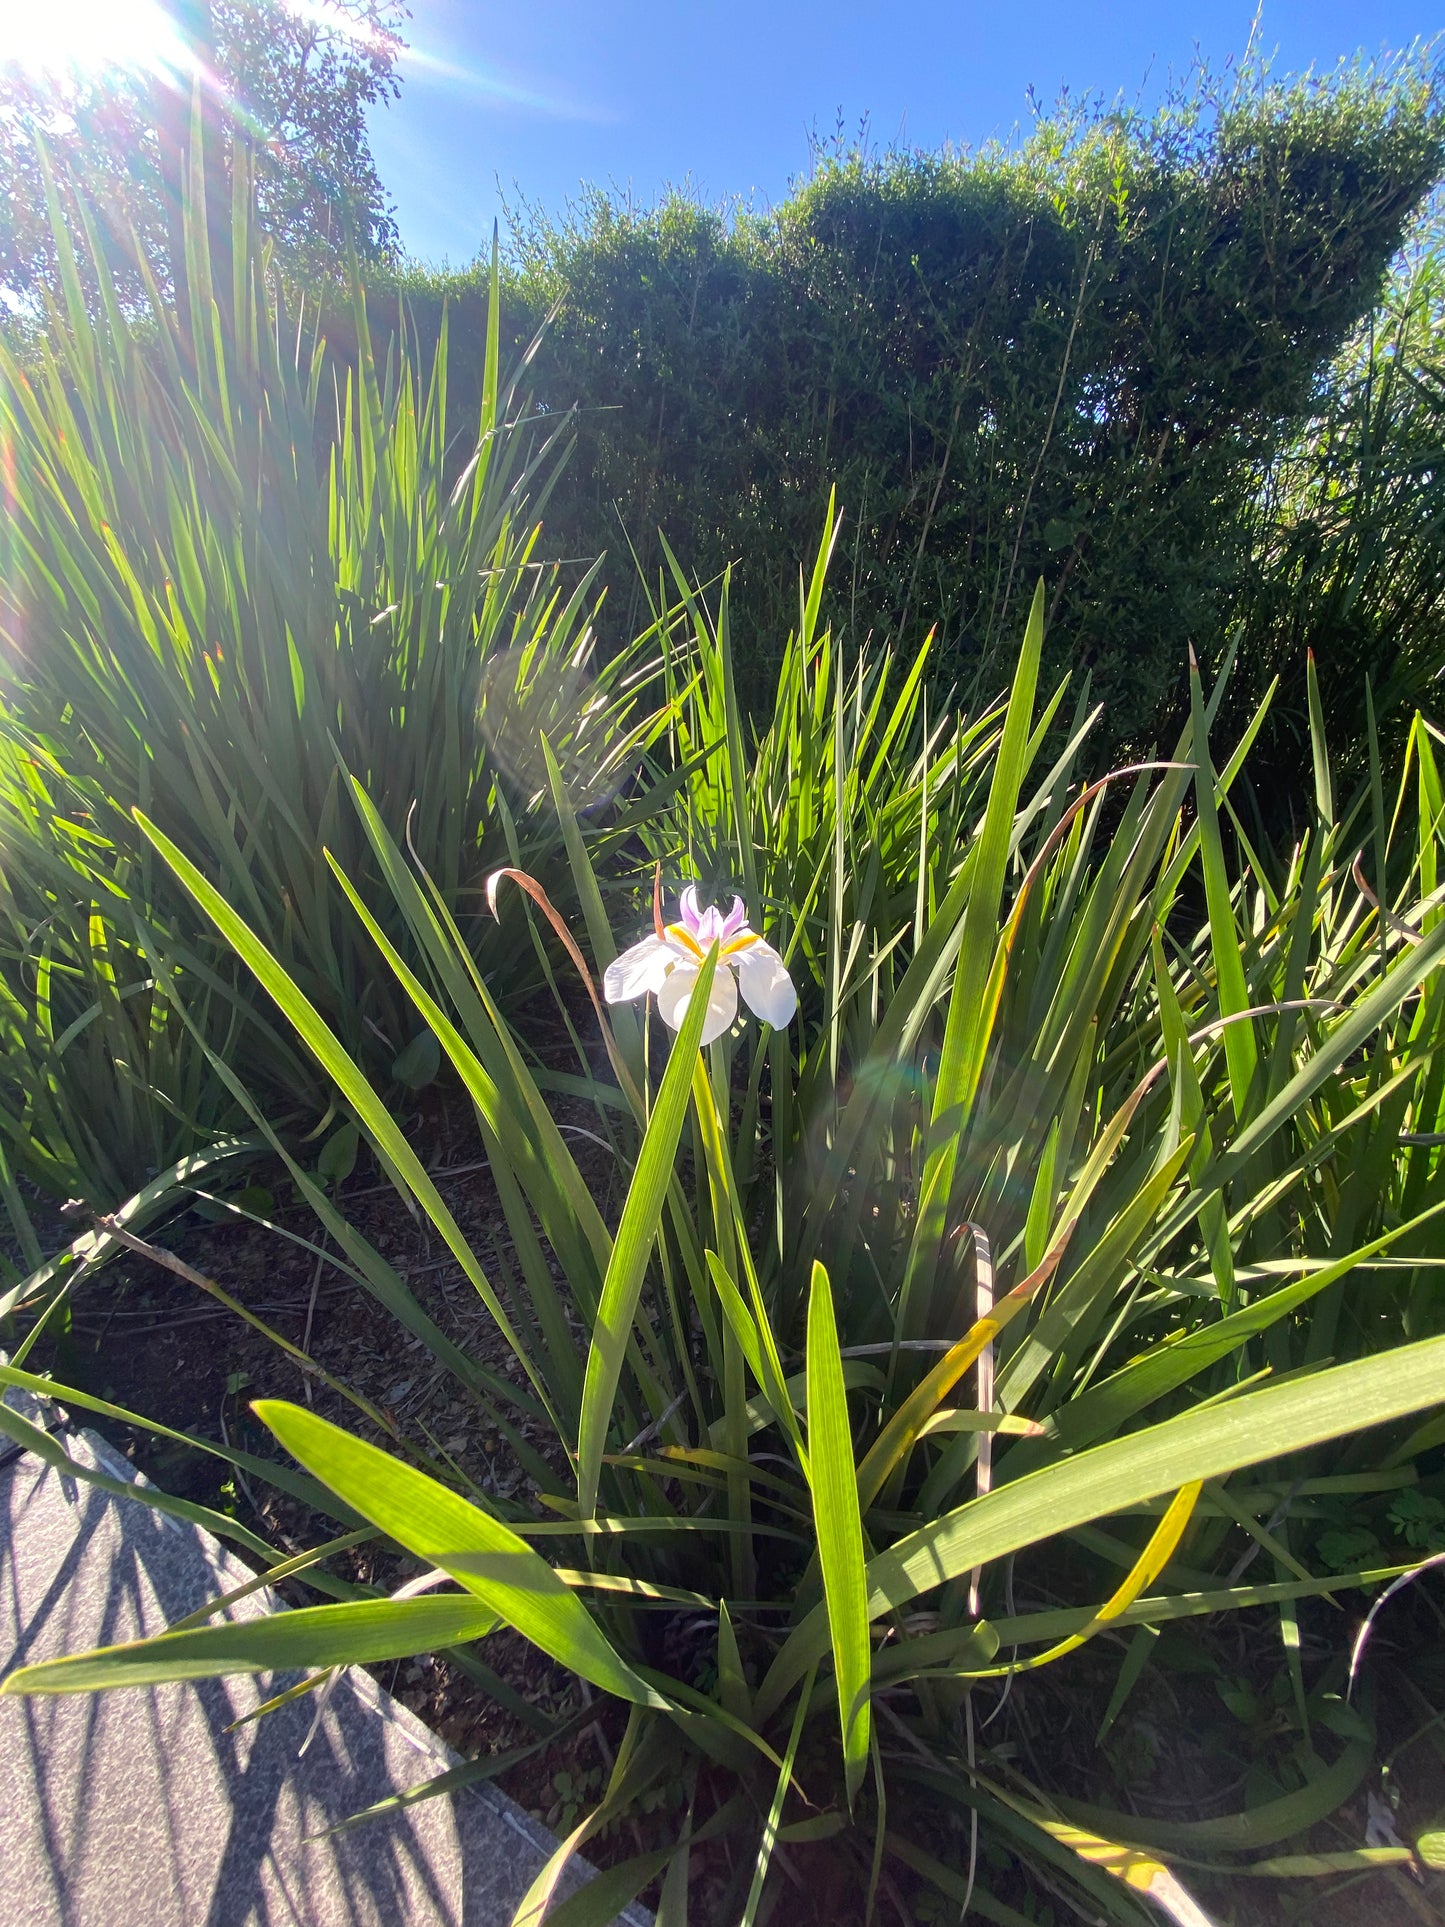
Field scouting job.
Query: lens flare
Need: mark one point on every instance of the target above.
(77, 37)
(333, 18)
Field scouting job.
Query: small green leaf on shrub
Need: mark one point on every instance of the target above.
(1420, 1519)
(338, 1155)
(1347, 1549)
(255, 1198)
(418, 1064)
(1343, 1719)
(1240, 1701)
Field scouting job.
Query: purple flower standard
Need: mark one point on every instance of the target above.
(667, 965)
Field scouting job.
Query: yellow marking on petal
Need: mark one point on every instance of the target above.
(735, 944)
(679, 933)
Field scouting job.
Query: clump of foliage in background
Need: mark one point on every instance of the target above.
(1075, 358)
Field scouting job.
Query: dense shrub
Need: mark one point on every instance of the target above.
(1073, 359)
(1350, 538)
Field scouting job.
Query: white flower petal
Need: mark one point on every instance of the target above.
(722, 1005)
(767, 988)
(638, 970)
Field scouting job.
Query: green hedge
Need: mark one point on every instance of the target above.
(1351, 533)
(1072, 359)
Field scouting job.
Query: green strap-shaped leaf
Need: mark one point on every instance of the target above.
(772, 1825)
(283, 1477)
(973, 1000)
(1259, 1826)
(601, 1900)
(1240, 1049)
(632, 1247)
(1107, 1407)
(1140, 1871)
(1156, 1609)
(313, 1636)
(1315, 1866)
(955, 1883)
(92, 1246)
(834, 1482)
(1146, 1569)
(1198, 1445)
(446, 1530)
(643, 1757)
(326, 1047)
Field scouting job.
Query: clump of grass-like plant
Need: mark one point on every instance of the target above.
(1056, 1219)
(232, 573)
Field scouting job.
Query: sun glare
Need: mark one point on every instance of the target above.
(56, 38)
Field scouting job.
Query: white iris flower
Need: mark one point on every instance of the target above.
(668, 962)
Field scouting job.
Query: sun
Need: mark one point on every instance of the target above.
(58, 38)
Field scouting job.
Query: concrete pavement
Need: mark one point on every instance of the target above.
(139, 1808)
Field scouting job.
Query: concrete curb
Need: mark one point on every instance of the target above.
(141, 1809)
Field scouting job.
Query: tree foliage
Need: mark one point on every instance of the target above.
(289, 85)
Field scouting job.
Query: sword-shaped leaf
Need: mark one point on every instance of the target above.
(444, 1529)
(352, 1634)
(834, 1481)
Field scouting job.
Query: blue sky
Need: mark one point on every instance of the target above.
(544, 95)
